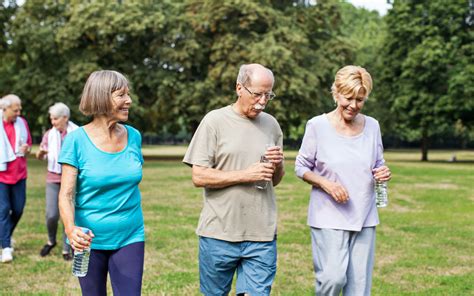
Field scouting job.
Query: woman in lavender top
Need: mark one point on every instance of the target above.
(341, 156)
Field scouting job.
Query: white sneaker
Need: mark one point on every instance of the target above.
(7, 255)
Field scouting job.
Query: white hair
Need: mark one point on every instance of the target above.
(9, 100)
(59, 110)
(246, 71)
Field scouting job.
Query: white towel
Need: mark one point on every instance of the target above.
(54, 146)
(8, 154)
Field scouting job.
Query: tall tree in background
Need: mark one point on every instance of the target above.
(365, 30)
(298, 41)
(181, 57)
(427, 69)
(7, 11)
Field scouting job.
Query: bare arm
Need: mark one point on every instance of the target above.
(77, 238)
(334, 189)
(214, 178)
(278, 175)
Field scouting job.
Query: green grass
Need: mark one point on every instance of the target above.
(424, 241)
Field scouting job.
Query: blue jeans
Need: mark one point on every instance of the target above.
(255, 263)
(12, 203)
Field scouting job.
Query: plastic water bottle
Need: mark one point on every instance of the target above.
(381, 194)
(80, 264)
(262, 185)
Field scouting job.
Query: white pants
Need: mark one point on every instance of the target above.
(343, 261)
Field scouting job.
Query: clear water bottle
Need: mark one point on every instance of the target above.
(381, 194)
(80, 264)
(262, 185)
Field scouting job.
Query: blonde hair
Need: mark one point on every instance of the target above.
(97, 94)
(350, 80)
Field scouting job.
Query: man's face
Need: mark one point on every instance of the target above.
(11, 113)
(253, 98)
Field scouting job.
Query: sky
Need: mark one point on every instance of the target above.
(380, 5)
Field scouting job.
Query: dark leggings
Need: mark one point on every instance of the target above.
(125, 266)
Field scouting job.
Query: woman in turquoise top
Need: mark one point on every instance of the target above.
(101, 169)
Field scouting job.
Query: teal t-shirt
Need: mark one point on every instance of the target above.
(108, 199)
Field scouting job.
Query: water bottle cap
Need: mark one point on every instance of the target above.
(85, 230)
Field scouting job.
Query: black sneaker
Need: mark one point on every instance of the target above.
(46, 249)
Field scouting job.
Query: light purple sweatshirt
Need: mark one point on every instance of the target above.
(348, 160)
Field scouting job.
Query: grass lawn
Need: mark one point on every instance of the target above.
(424, 241)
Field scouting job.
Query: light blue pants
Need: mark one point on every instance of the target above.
(343, 261)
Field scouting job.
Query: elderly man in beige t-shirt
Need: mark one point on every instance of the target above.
(236, 156)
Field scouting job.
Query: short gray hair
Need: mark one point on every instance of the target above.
(96, 97)
(59, 110)
(245, 73)
(9, 100)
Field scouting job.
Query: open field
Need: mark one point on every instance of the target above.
(424, 243)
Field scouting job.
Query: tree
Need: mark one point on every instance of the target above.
(181, 57)
(365, 31)
(7, 11)
(427, 68)
(298, 41)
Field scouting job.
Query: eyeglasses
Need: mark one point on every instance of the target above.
(268, 96)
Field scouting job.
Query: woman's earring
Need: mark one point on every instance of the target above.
(335, 103)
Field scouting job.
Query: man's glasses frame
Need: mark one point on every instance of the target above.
(268, 96)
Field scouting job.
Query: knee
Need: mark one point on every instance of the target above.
(52, 217)
(331, 284)
(337, 282)
(4, 211)
(17, 212)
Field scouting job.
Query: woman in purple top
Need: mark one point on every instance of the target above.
(341, 156)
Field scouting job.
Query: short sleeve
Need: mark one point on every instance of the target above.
(68, 154)
(201, 150)
(279, 141)
(380, 161)
(305, 160)
(138, 142)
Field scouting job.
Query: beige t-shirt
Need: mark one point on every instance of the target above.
(227, 141)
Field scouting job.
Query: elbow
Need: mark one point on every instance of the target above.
(198, 181)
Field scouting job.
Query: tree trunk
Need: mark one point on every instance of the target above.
(424, 147)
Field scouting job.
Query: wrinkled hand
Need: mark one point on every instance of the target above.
(78, 239)
(336, 191)
(40, 154)
(259, 171)
(275, 155)
(382, 174)
(24, 149)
